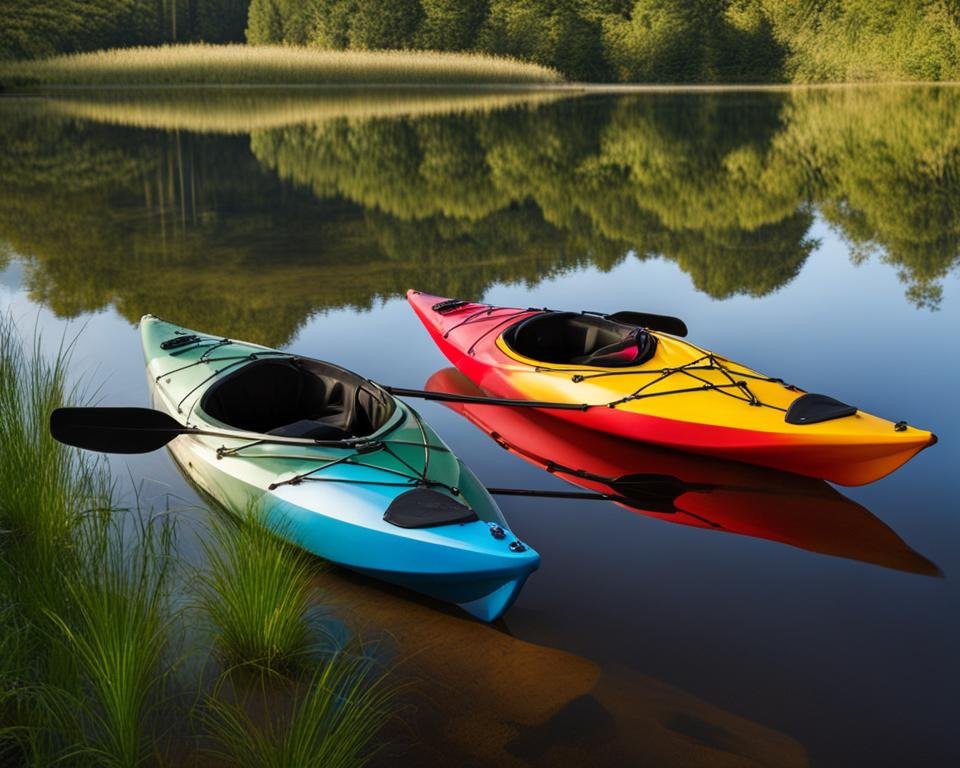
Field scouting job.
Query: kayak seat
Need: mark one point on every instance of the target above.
(312, 429)
(292, 397)
(577, 339)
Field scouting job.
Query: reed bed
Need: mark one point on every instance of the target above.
(92, 616)
(328, 721)
(256, 590)
(46, 491)
(117, 627)
(202, 64)
(241, 111)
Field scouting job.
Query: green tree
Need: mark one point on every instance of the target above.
(550, 32)
(331, 23)
(282, 21)
(384, 24)
(450, 25)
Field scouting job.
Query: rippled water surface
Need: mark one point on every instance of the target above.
(812, 234)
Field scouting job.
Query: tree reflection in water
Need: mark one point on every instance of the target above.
(250, 228)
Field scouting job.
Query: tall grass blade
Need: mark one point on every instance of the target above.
(332, 721)
(256, 591)
(118, 628)
(45, 488)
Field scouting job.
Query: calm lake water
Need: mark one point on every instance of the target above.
(813, 234)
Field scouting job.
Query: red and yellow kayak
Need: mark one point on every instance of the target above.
(686, 489)
(656, 388)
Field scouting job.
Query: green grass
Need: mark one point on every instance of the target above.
(201, 64)
(83, 585)
(256, 590)
(331, 721)
(91, 620)
(118, 627)
(46, 490)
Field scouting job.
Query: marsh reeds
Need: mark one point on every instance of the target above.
(83, 584)
(256, 588)
(329, 720)
(46, 491)
(90, 617)
(117, 627)
(201, 64)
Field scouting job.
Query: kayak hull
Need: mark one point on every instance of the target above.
(861, 449)
(339, 516)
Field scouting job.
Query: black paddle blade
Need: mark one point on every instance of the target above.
(672, 325)
(654, 493)
(115, 430)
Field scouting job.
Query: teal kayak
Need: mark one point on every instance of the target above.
(337, 465)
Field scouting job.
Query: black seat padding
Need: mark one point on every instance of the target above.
(425, 508)
(577, 339)
(296, 397)
(311, 429)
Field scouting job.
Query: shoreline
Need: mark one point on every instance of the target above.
(48, 90)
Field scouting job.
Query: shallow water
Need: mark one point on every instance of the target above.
(812, 234)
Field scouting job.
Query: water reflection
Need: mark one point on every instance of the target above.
(483, 697)
(691, 490)
(338, 201)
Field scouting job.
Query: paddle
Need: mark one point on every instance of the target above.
(643, 492)
(652, 493)
(672, 325)
(142, 430)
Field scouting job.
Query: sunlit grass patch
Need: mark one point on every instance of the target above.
(256, 590)
(201, 64)
(328, 721)
(117, 626)
(92, 618)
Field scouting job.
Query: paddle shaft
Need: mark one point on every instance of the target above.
(264, 438)
(533, 493)
(449, 397)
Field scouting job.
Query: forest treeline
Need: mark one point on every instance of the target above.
(647, 40)
(35, 28)
(346, 211)
(587, 40)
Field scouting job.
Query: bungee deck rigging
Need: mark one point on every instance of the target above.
(713, 360)
(416, 478)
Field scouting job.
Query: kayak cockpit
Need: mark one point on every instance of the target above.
(573, 338)
(294, 397)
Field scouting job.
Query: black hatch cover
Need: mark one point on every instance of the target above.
(811, 408)
(423, 508)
